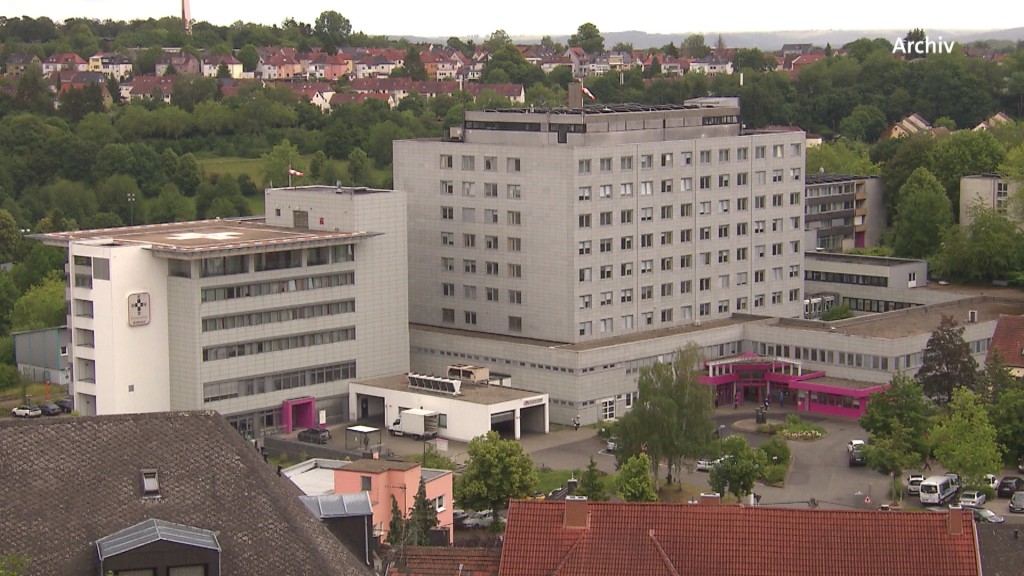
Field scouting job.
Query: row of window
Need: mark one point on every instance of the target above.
(704, 309)
(490, 189)
(491, 268)
(667, 211)
(282, 315)
(515, 323)
(667, 289)
(668, 159)
(490, 294)
(278, 287)
(512, 217)
(213, 391)
(666, 264)
(278, 344)
(706, 182)
(606, 245)
(852, 359)
(490, 163)
(840, 278)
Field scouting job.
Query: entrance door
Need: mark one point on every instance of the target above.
(364, 408)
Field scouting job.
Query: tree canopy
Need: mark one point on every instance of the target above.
(634, 482)
(498, 470)
(965, 440)
(947, 363)
(922, 215)
(589, 38)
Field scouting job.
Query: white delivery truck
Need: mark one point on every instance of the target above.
(415, 422)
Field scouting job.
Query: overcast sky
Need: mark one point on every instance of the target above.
(465, 18)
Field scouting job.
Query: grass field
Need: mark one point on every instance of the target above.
(549, 480)
(235, 165)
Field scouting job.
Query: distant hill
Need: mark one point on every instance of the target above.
(768, 41)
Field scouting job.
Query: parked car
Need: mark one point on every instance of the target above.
(857, 457)
(914, 484)
(1017, 502)
(315, 435)
(992, 481)
(1009, 486)
(27, 411)
(49, 409)
(985, 515)
(972, 498)
(612, 443)
(458, 517)
(481, 519)
(67, 405)
(854, 444)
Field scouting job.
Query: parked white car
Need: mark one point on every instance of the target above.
(914, 484)
(973, 498)
(854, 444)
(992, 480)
(27, 411)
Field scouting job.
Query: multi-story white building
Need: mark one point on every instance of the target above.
(572, 226)
(988, 191)
(843, 212)
(263, 321)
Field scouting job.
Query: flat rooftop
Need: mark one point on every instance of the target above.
(202, 236)
(475, 393)
(819, 178)
(844, 383)
(863, 259)
(917, 321)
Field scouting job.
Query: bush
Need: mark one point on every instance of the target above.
(776, 450)
(774, 474)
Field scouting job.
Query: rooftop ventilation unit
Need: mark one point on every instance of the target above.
(434, 384)
(972, 316)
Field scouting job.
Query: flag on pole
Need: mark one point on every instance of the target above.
(588, 93)
(295, 173)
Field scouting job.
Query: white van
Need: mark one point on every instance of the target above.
(938, 489)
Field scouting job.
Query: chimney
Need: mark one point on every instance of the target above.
(577, 514)
(574, 95)
(955, 522)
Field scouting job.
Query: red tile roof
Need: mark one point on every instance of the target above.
(437, 561)
(1008, 340)
(700, 540)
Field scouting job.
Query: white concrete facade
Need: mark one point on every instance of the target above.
(243, 315)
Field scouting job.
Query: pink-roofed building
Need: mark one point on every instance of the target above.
(68, 61)
(384, 479)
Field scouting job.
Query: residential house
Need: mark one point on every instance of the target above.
(802, 60)
(552, 62)
(211, 64)
(992, 121)
(711, 64)
(64, 61)
(579, 59)
(912, 124)
(376, 66)
(180, 61)
(516, 93)
(143, 87)
(434, 561)
(156, 504)
(316, 93)
(17, 63)
(67, 81)
(111, 64)
(384, 479)
(1008, 344)
(343, 98)
(577, 537)
(323, 66)
(279, 64)
(989, 190)
(796, 49)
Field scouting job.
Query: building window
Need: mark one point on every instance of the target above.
(514, 217)
(584, 166)
(686, 184)
(646, 161)
(584, 220)
(687, 158)
(606, 272)
(366, 482)
(741, 153)
(469, 266)
(491, 268)
(469, 292)
(515, 323)
(446, 160)
(514, 192)
(585, 301)
(515, 244)
(467, 189)
(447, 187)
(666, 160)
(448, 264)
(646, 292)
(606, 164)
(448, 289)
(447, 315)
(705, 183)
(447, 213)
(585, 328)
(470, 317)
(584, 247)
(584, 194)
(606, 298)
(626, 295)
(490, 163)
(491, 242)
(705, 156)
(666, 186)
(585, 274)
(469, 240)
(626, 189)
(606, 245)
(626, 216)
(447, 238)
(626, 269)
(723, 180)
(606, 218)
(515, 297)
(626, 163)
(647, 188)
(515, 270)
(513, 165)
(777, 151)
(490, 189)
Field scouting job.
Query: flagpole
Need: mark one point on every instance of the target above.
(289, 174)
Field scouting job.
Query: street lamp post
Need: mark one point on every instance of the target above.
(131, 208)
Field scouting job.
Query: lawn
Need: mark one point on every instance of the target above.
(551, 479)
(235, 165)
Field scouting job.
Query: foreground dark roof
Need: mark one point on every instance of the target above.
(561, 538)
(438, 561)
(1002, 549)
(70, 481)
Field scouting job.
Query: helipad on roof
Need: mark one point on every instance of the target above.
(203, 236)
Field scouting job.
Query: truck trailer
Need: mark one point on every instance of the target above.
(416, 422)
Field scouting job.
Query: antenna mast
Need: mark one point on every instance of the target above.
(186, 17)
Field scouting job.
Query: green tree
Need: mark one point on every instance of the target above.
(737, 473)
(431, 458)
(10, 236)
(753, 59)
(947, 363)
(77, 102)
(507, 64)
(866, 123)
(654, 69)
(987, 248)
(591, 483)
(333, 30)
(41, 306)
(170, 206)
(915, 35)
(841, 157)
(694, 46)
(9, 294)
(899, 158)
(496, 40)
(358, 166)
(316, 165)
(397, 525)
(223, 71)
(498, 470)
(37, 265)
(672, 420)
(249, 56)
(840, 312)
(277, 162)
(189, 175)
(634, 482)
(891, 455)
(923, 213)
(965, 440)
(961, 154)
(1005, 409)
(422, 517)
(901, 405)
(413, 64)
(589, 38)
